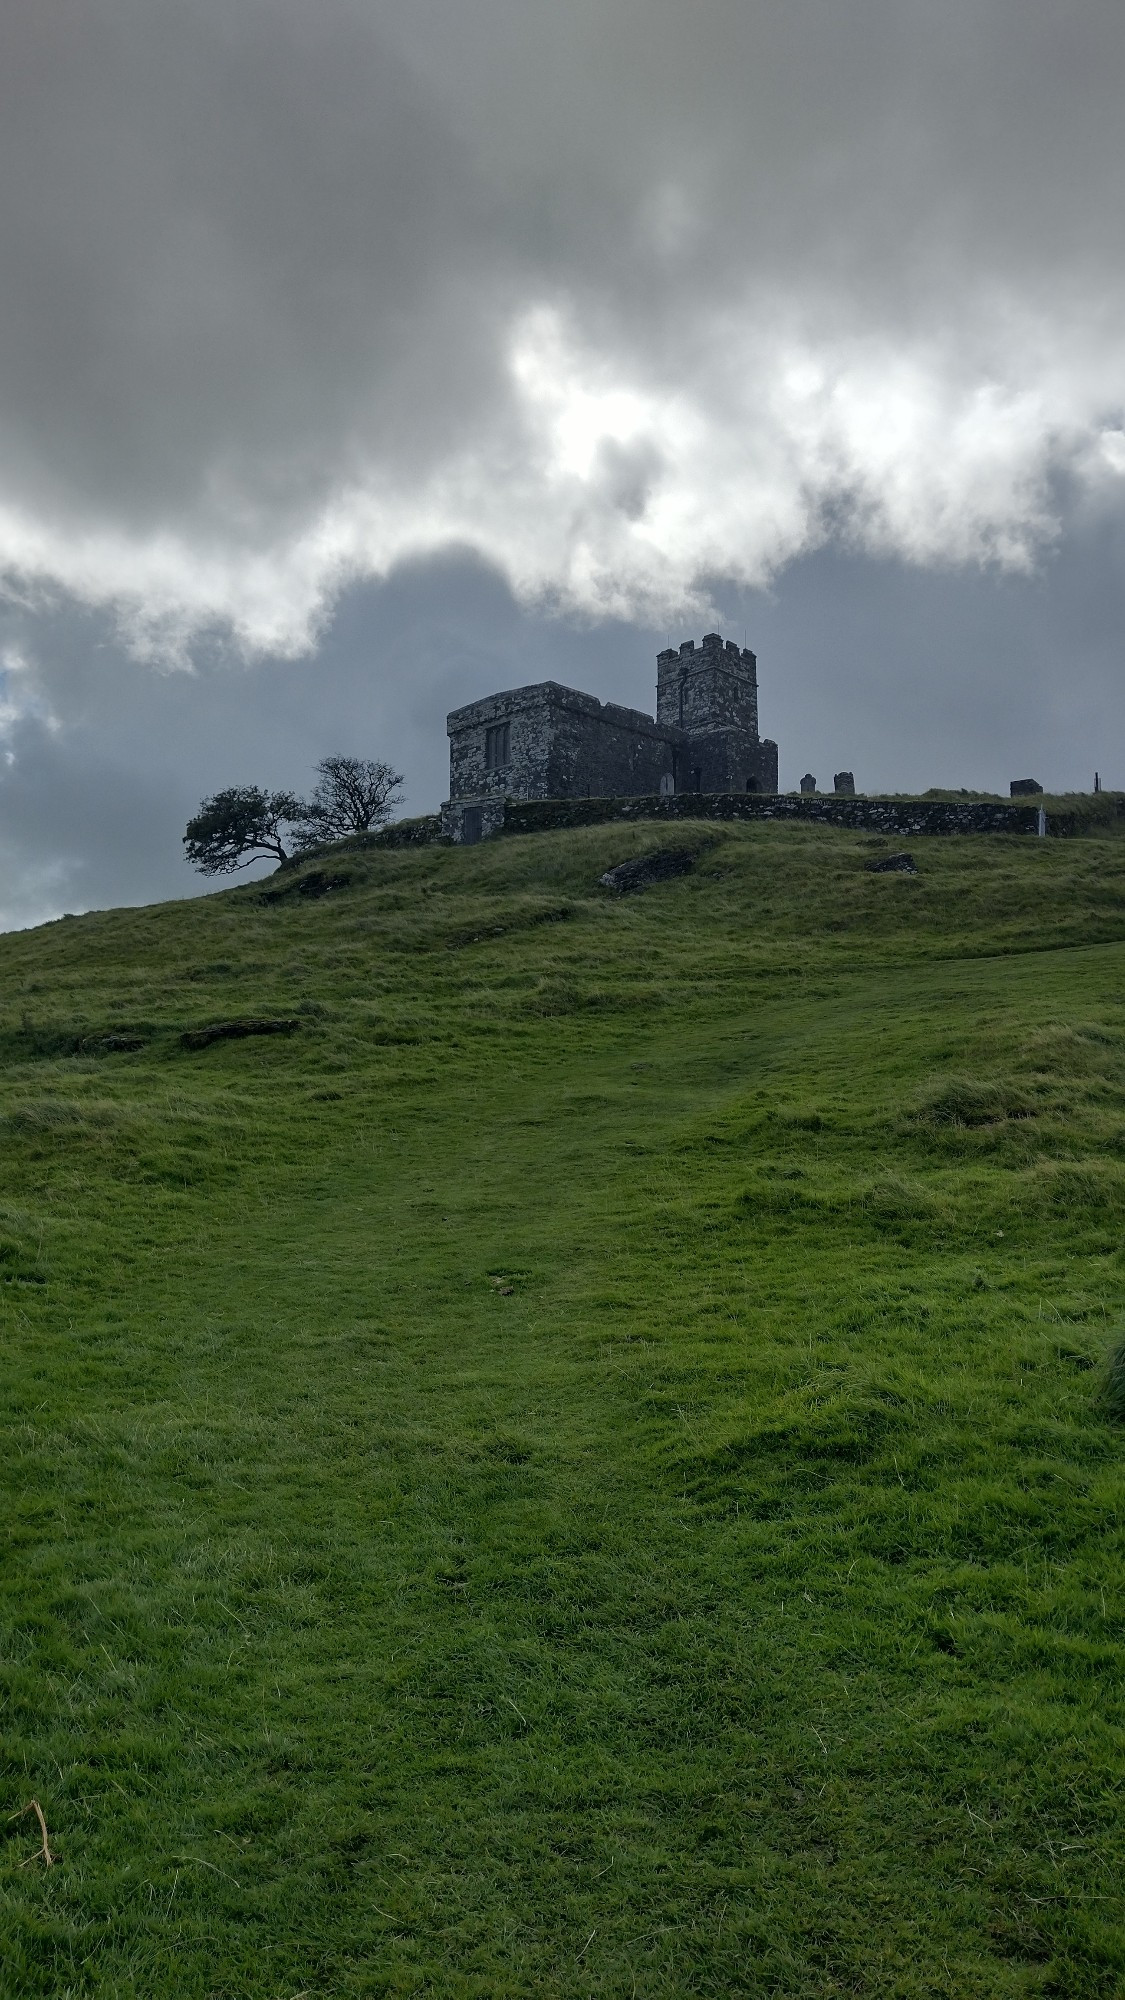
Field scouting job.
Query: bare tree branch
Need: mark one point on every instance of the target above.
(352, 795)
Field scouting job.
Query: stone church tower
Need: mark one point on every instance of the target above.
(711, 693)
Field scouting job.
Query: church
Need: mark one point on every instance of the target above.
(550, 742)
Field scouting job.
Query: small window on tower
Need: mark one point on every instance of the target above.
(496, 747)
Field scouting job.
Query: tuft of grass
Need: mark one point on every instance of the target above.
(1114, 1384)
(965, 1100)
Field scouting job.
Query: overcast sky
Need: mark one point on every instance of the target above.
(360, 356)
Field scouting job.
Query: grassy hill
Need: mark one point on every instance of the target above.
(584, 1468)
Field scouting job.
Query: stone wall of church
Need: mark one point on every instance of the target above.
(551, 742)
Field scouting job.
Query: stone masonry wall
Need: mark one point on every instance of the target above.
(528, 715)
(894, 816)
(602, 751)
(731, 760)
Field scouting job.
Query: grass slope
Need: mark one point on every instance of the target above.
(586, 1469)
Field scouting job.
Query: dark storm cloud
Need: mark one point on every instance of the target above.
(235, 240)
(880, 142)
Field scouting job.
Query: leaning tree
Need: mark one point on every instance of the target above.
(241, 825)
(352, 795)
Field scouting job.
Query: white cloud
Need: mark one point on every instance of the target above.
(615, 493)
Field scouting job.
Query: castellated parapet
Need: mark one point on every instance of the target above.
(708, 687)
(551, 742)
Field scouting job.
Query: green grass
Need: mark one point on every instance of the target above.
(596, 1466)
